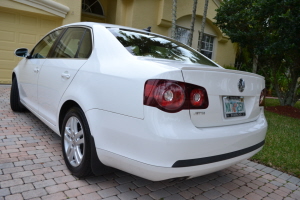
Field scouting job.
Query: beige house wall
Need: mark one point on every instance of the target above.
(74, 14)
(23, 24)
(158, 14)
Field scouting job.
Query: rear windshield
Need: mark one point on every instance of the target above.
(150, 45)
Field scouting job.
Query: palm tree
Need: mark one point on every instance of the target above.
(174, 9)
(190, 41)
(255, 62)
(203, 24)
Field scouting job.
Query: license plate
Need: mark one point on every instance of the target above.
(234, 106)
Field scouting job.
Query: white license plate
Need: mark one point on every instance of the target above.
(234, 106)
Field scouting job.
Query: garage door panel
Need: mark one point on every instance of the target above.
(7, 36)
(6, 64)
(28, 20)
(5, 74)
(46, 24)
(25, 35)
(7, 17)
(10, 46)
(26, 38)
(6, 55)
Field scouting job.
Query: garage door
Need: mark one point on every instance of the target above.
(20, 29)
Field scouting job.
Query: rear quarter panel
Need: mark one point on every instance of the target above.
(113, 80)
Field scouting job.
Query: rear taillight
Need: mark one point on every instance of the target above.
(169, 95)
(173, 96)
(197, 97)
(262, 98)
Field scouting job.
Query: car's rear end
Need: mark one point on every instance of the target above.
(191, 127)
(198, 118)
(219, 122)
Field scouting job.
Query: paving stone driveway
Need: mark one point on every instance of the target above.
(32, 167)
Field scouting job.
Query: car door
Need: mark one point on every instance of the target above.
(29, 70)
(69, 54)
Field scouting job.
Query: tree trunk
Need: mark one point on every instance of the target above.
(203, 25)
(174, 9)
(255, 61)
(190, 41)
(287, 95)
(288, 98)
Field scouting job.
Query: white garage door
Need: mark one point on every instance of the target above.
(20, 29)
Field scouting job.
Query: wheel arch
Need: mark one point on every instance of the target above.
(63, 111)
(98, 168)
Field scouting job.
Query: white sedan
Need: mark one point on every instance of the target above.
(138, 101)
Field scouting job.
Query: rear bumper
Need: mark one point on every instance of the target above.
(156, 173)
(168, 145)
(217, 158)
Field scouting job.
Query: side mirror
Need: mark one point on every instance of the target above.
(21, 52)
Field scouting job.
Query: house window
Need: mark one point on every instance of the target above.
(92, 7)
(207, 45)
(182, 34)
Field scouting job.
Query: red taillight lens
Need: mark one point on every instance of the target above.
(173, 96)
(262, 98)
(197, 97)
(169, 95)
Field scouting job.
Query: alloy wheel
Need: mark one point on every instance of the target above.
(74, 141)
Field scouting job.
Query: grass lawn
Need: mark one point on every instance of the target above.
(282, 147)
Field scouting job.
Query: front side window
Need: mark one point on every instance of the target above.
(207, 45)
(69, 45)
(42, 49)
(155, 46)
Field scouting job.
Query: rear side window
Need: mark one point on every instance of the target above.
(85, 49)
(155, 46)
(42, 49)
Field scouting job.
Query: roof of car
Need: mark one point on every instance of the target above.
(91, 24)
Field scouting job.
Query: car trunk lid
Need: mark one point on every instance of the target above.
(228, 104)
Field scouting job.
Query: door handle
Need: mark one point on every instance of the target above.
(66, 75)
(36, 70)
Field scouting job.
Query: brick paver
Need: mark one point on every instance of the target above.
(32, 167)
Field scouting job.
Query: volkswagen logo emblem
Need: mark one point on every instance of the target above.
(241, 85)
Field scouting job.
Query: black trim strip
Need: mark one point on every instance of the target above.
(212, 159)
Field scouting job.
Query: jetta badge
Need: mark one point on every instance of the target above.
(241, 85)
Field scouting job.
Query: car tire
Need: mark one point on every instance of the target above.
(75, 134)
(15, 102)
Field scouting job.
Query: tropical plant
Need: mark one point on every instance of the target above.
(174, 10)
(270, 30)
(203, 24)
(190, 41)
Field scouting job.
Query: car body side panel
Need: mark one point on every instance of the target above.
(28, 73)
(34, 111)
(52, 84)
